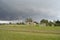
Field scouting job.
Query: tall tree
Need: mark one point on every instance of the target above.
(44, 21)
(29, 20)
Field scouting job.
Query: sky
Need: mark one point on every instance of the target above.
(35, 9)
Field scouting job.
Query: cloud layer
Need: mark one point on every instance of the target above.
(36, 9)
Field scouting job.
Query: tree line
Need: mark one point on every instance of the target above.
(44, 21)
(50, 23)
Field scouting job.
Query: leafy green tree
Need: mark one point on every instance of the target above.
(50, 23)
(57, 23)
(44, 21)
(36, 22)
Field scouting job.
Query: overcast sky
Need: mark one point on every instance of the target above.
(36, 9)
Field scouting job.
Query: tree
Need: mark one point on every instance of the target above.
(50, 23)
(36, 22)
(44, 21)
(57, 23)
(10, 23)
(29, 20)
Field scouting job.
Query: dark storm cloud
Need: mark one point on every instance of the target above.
(37, 9)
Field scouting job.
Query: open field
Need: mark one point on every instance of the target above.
(29, 32)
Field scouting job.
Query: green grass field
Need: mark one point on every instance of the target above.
(29, 32)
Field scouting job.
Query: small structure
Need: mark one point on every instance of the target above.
(31, 23)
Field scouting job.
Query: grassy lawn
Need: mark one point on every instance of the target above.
(28, 32)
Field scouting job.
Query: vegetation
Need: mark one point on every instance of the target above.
(21, 31)
(29, 20)
(50, 23)
(22, 23)
(57, 23)
(29, 32)
(44, 21)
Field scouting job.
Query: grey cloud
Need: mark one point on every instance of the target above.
(37, 9)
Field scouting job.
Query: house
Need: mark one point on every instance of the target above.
(31, 23)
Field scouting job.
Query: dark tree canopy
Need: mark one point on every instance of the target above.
(44, 21)
(50, 23)
(29, 20)
(57, 23)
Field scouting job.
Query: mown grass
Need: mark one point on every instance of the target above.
(28, 32)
